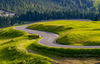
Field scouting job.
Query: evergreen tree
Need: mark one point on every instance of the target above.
(2, 25)
(96, 18)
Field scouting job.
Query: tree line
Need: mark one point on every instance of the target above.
(37, 16)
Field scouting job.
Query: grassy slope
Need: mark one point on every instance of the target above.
(72, 32)
(10, 53)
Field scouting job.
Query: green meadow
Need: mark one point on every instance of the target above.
(12, 45)
(78, 33)
(15, 45)
(70, 32)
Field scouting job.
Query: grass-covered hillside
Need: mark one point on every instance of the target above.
(72, 32)
(12, 45)
(18, 47)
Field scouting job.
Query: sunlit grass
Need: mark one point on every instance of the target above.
(11, 53)
(72, 32)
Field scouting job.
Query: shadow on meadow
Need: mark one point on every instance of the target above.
(97, 63)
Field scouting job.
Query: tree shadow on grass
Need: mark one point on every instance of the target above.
(96, 29)
(97, 63)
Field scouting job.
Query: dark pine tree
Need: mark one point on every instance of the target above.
(96, 18)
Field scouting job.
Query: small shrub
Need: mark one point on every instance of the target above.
(33, 36)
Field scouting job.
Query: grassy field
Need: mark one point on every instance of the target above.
(14, 43)
(72, 32)
(10, 50)
(75, 30)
